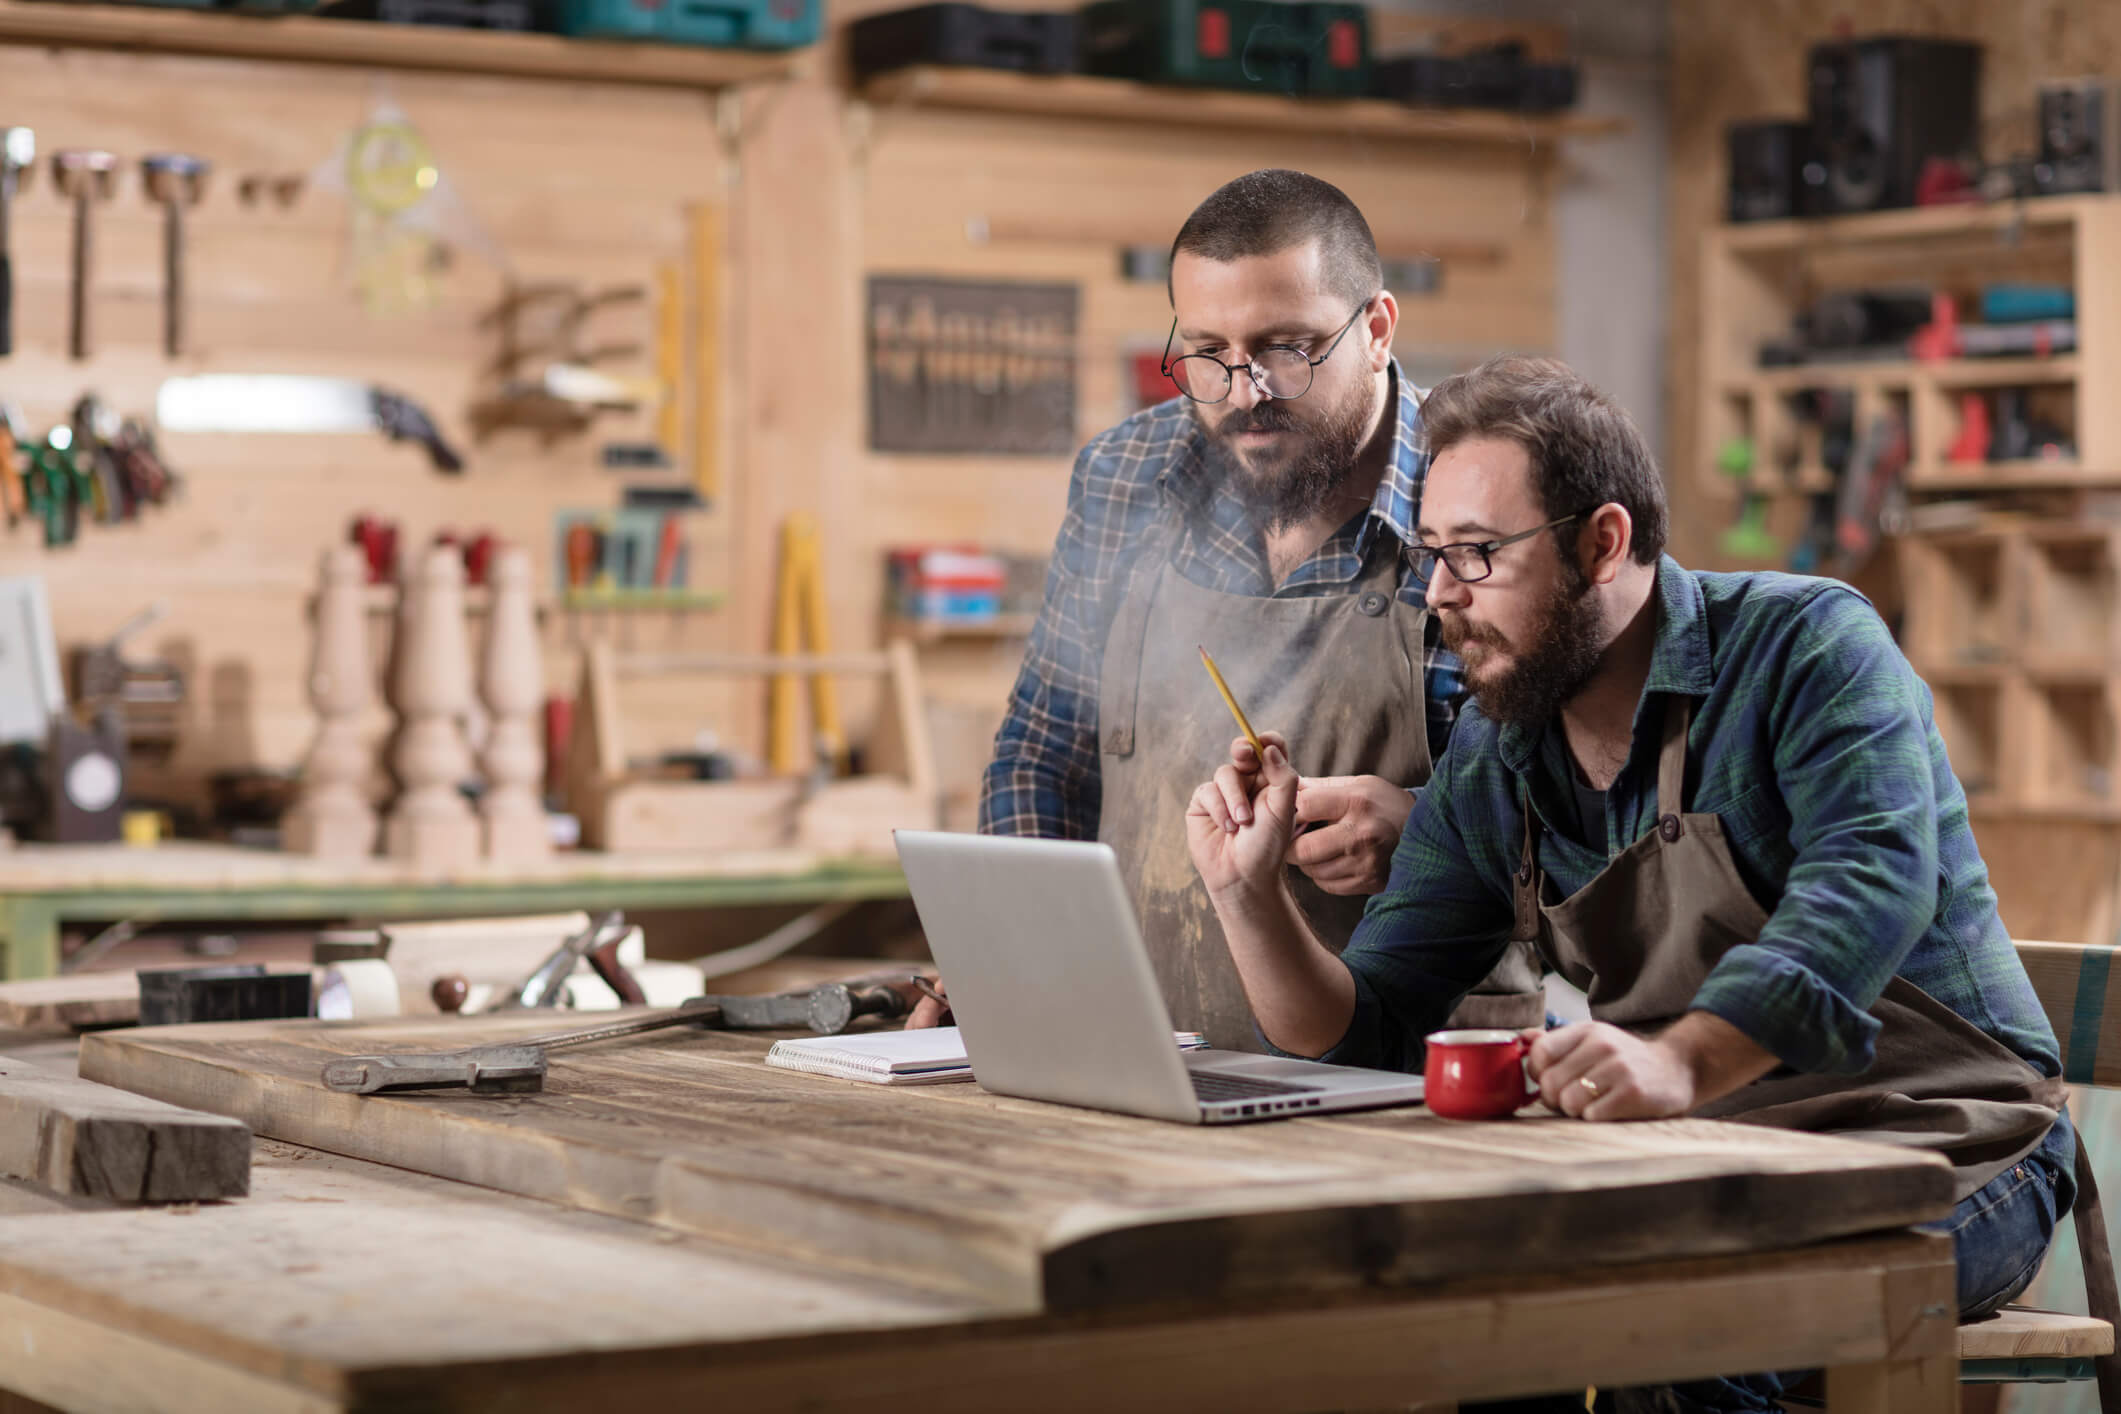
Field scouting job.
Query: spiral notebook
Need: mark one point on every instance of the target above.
(929, 1057)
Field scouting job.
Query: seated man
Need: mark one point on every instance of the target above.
(1718, 805)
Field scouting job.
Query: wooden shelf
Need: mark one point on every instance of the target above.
(1918, 223)
(642, 600)
(926, 631)
(1898, 372)
(307, 39)
(1148, 105)
(2033, 475)
(383, 599)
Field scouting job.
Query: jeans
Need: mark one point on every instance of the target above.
(1999, 1237)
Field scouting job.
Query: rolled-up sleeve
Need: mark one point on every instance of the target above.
(1438, 928)
(1851, 749)
(1043, 779)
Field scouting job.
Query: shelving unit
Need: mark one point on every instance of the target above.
(928, 631)
(1153, 106)
(312, 40)
(1757, 276)
(2017, 632)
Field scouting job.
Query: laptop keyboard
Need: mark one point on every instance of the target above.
(1230, 1087)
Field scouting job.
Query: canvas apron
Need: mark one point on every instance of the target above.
(1642, 937)
(1340, 676)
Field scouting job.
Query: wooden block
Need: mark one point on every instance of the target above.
(499, 951)
(2017, 1331)
(86, 1140)
(691, 817)
(857, 817)
(85, 999)
(81, 1000)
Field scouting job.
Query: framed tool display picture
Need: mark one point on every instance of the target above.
(971, 366)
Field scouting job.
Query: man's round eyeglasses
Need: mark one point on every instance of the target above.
(1278, 371)
(1471, 561)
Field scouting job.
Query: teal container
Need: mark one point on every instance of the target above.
(743, 24)
(1258, 46)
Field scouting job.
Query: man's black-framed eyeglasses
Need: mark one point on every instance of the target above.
(1279, 371)
(1472, 561)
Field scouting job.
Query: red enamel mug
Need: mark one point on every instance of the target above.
(1477, 1074)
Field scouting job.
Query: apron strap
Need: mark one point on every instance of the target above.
(1671, 759)
(2099, 1287)
(1524, 888)
(1120, 687)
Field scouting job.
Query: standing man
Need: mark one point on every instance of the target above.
(1261, 515)
(1715, 802)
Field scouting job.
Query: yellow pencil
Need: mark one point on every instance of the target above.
(1231, 702)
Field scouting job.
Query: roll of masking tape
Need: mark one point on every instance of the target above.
(357, 989)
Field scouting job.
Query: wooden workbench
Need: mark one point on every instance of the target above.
(341, 1284)
(43, 886)
(716, 1229)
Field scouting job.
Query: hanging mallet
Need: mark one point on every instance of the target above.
(87, 175)
(176, 180)
(18, 160)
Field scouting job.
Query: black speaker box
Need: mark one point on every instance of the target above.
(2080, 137)
(1766, 158)
(1881, 108)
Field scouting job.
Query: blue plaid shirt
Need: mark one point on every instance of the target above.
(1044, 779)
(1812, 739)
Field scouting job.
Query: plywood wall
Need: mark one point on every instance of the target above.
(590, 183)
(571, 182)
(1731, 62)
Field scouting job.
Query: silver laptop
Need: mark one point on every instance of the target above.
(1054, 995)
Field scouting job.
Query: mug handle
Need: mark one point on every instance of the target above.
(1524, 1052)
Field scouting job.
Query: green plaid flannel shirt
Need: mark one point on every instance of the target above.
(1812, 738)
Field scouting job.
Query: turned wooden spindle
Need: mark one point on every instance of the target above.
(512, 680)
(432, 824)
(332, 819)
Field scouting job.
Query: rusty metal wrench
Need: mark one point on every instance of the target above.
(514, 1067)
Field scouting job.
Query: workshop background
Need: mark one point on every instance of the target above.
(501, 454)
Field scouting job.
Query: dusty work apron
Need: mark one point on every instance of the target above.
(1643, 935)
(1340, 676)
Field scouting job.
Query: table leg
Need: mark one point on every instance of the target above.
(1929, 1385)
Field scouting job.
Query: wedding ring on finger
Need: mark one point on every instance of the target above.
(1590, 1086)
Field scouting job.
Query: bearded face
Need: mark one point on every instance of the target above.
(1526, 682)
(1286, 460)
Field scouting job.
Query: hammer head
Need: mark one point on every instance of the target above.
(175, 177)
(18, 157)
(85, 172)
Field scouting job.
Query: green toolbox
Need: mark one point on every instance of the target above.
(1319, 50)
(747, 24)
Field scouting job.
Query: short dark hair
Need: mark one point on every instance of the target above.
(1585, 450)
(1268, 211)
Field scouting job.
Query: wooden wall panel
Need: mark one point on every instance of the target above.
(1058, 198)
(571, 181)
(592, 182)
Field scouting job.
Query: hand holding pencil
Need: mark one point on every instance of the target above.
(1239, 825)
